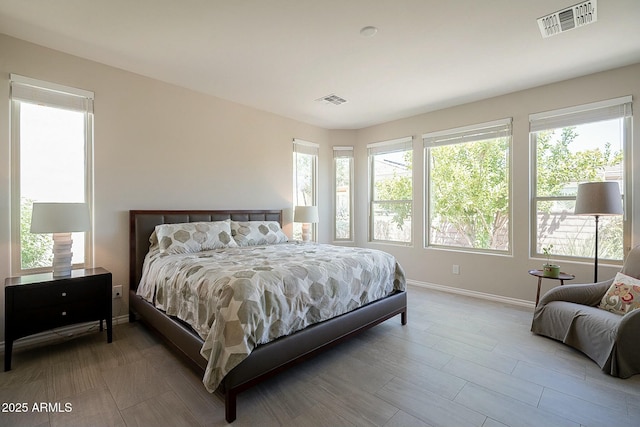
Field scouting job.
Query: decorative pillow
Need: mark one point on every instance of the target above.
(251, 233)
(153, 240)
(623, 296)
(193, 237)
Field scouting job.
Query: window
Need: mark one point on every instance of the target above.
(305, 170)
(343, 195)
(467, 172)
(391, 190)
(52, 137)
(571, 146)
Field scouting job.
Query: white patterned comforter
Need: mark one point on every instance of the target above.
(238, 298)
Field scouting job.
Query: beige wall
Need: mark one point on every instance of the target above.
(505, 276)
(157, 146)
(161, 146)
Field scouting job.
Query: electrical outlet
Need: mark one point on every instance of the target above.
(117, 292)
(455, 269)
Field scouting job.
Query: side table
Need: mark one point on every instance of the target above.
(540, 275)
(39, 302)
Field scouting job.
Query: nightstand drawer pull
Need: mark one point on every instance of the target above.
(64, 294)
(64, 313)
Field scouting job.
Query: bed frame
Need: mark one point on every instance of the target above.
(268, 359)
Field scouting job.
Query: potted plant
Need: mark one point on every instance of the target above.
(548, 269)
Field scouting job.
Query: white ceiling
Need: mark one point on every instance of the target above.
(281, 55)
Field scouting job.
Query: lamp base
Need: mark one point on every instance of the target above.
(306, 232)
(62, 255)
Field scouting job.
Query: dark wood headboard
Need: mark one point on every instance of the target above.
(143, 222)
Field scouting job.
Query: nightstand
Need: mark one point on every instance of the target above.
(39, 302)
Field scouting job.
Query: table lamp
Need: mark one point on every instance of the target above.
(306, 215)
(61, 219)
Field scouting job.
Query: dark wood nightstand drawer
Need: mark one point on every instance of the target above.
(32, 321)
(47, 295)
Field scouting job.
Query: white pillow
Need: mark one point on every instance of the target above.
(251, 233)
(193, 237)
(622, 296)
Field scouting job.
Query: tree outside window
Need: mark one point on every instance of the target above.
(468, 203)
(469, 194)
(565, 157)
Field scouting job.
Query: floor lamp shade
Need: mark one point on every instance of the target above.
(61, 219)
(306, 215)
(597, 199)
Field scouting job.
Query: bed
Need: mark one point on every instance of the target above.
(266, 359)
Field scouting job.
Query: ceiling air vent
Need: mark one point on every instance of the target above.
(578, 15)
(332, 99)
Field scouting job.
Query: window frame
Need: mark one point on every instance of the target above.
(28, 90)
(501, 128)
(616, 108)
(312, 149)
(386, 147)
(342, 152)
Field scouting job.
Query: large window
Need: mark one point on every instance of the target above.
(468, 187)
(391, 190)
(571, 146)
(52, 137)
(305, 170)
(343, 193)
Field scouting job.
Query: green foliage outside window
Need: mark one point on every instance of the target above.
(343, 167)
(469, 192)
(559, 169)
(393, 195)
(558, 166)
(36, 249)
(397, 187)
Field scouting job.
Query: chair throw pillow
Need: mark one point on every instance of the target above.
(622, 296)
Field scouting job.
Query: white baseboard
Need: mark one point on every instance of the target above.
(473, 294)
(61, 334)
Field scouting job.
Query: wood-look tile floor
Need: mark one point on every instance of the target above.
(458, 362)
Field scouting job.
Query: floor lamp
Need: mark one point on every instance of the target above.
(597, 199)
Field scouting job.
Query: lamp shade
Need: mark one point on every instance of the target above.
(306, 214)
(598, 198)
(60, 217)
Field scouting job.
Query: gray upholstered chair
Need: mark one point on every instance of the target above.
(570, 314)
